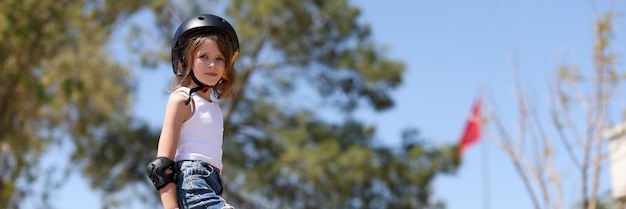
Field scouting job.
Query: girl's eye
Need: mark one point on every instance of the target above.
(203, 56)
(220, 58)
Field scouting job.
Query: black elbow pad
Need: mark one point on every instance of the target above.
(156, 172)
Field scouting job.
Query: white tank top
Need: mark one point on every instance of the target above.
(201, 136)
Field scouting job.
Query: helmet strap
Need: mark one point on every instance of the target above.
(201, 86)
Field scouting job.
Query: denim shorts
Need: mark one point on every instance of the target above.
(198, 185)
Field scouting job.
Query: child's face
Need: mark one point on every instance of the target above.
(208, 62)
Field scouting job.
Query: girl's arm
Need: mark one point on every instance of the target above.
(176, 113)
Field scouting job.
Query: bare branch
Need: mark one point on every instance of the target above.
(515, 158)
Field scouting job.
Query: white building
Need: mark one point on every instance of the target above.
(617, 156)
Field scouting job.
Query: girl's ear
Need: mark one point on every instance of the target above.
(183, 63)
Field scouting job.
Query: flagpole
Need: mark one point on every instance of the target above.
(485, 171)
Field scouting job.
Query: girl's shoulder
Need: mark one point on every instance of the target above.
(179, 94)
(178, 102)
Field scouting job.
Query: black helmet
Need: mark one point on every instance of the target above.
(198, 23)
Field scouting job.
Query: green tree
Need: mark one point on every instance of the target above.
(57, 83)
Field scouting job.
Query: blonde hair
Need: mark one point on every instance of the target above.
(225, 87)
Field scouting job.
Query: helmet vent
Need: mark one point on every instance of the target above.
(201, 18)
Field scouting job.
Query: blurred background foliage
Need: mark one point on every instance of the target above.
(59, 85)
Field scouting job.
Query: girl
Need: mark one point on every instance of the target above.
(189, 157)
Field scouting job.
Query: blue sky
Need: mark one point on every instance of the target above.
(452, 50)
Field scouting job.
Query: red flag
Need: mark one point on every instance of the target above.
(472, 131)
